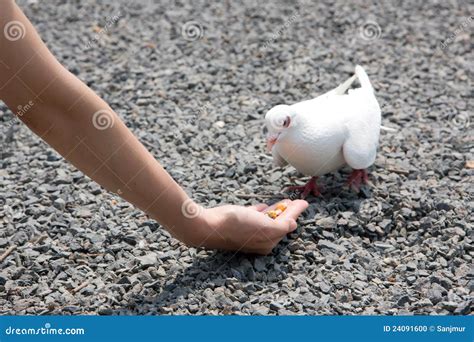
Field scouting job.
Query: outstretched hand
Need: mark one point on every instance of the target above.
(90, 135)
(249, 229)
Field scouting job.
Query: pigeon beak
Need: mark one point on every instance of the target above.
(271, 140)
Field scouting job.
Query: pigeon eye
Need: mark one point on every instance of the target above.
(287, 122)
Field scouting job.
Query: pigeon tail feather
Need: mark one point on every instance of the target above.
(363, 78)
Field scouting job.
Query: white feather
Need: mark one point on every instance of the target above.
(330, 131)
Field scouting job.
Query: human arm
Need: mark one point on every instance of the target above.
(78, 124)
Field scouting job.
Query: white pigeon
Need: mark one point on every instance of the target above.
(321, 135)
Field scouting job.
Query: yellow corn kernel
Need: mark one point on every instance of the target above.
(272, 214)
(280, 207)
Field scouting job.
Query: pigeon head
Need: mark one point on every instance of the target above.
(278, 120)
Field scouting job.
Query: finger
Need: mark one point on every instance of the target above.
(287, 219)
(259, 207)
(292, 225)
(294, 209)
(277, 229)
(273, 206)
(286, 222)
(285, 226)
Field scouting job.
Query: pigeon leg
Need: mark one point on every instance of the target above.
(356, 178)
(311, 186)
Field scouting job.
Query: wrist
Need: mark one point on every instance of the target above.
(207, 229)
(196, 226)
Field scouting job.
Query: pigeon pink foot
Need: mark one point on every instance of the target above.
(356, 178)
(310, 187)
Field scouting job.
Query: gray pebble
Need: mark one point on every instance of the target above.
(331, 246)
(202, 117)
(59, 204)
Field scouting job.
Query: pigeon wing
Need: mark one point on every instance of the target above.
(363, 127)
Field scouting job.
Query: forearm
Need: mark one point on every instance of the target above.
(103, 148)
(84, 129)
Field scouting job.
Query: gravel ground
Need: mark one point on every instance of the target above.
(193, 82)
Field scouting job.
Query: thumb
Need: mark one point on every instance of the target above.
(258, 207)
(290, 225)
